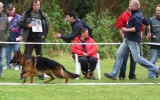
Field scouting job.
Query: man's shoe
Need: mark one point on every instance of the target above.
(151, 78)
(158, 73)
(134, 78)
(121, 78)
(41, 77)
(109, 76)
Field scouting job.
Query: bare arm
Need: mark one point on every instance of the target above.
(128, 29)
(141, 34)
(121, 33)
(148, 32)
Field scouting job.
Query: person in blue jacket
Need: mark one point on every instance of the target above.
(75, 24)
(15, 35)
(131, 43)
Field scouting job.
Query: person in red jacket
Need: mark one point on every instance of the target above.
(87, 53)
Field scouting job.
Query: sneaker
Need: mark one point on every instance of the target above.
(109, 76)
(46, 75)
(7, 67)
(16, 67)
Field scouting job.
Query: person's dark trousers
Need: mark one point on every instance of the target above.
(132, 67)
(123, 67)
(29, 49)
(87, 63)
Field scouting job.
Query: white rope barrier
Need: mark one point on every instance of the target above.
(53, 43)
(76, 84)
(149, 43)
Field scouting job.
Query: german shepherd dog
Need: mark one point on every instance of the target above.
(40, 65)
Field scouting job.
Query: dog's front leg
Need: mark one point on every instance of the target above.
(31, 79)
(31, 74)
(24, 79)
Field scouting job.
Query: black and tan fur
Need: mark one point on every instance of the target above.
(40, 65)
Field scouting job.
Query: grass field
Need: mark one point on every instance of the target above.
(80, 92)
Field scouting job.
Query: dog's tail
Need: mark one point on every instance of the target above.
(70, 75)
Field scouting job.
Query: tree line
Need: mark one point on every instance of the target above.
(101, 15)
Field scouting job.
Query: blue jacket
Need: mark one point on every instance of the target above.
(75, 28)
(136, 21)
(15, 30)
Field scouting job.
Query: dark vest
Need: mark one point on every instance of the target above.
(155, 28)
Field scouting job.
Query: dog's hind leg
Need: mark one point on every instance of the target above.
(49, 73)
(66, 80)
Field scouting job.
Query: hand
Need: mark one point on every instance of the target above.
(43, 36)
(20, 38)
(148, 36)
(122, 36)
(121, 33)
(31, 24)
(124, 29)
(154, 36)
(85, 54)
(58, 36)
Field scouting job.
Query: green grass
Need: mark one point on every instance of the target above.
(80, 92)
(149, 92)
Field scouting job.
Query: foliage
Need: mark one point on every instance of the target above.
(104, 31)
(148, 7)
(57, 24)
(81, 7)
(21, 5)
(94, 12)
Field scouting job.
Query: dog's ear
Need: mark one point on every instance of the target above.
(19, 52)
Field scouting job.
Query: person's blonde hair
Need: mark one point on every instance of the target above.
(1, 4)
(158, 5)
(135, 3)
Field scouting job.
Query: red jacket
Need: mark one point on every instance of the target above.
(90, 48)
(123, 19)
